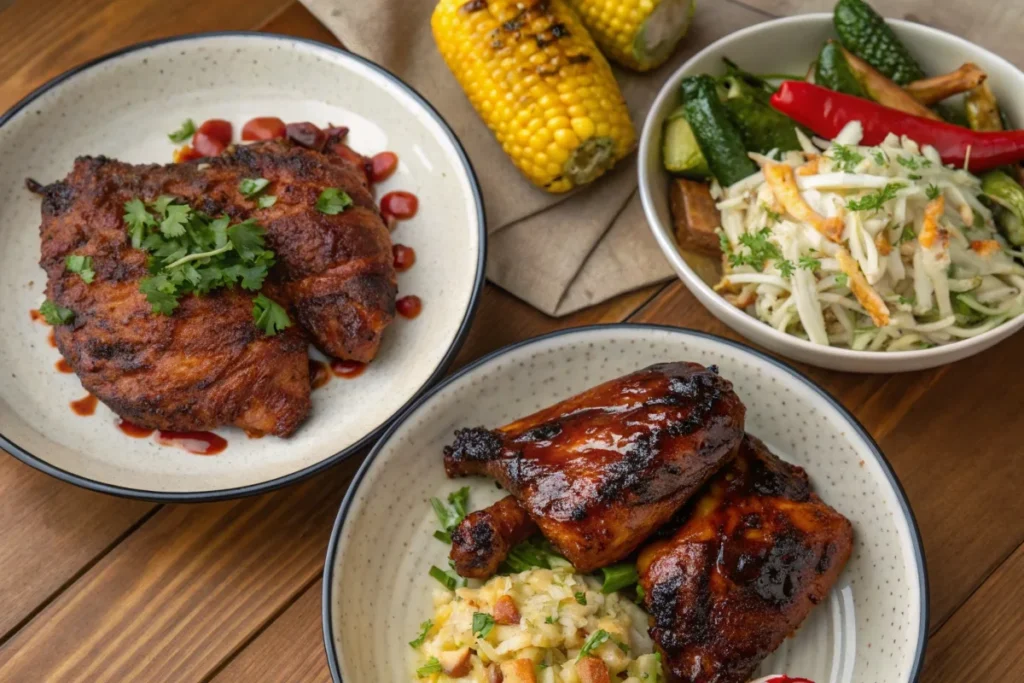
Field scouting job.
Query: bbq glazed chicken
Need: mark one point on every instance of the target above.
(757, 551)
(598, 472)
(207, 364)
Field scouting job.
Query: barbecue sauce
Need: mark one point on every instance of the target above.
(347, 369)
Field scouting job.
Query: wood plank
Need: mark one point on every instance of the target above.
(982, 641)
(946, 438)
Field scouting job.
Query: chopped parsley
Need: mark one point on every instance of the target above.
(933, 192)
(270, 317)
(431, 667)
(908, 234)
(621, 645)
(482, 624)
(333, 201)
(914, 176)
(723, 242)
(880, 158)
(842, 279)
(266, 201)
(549, 620)
(846, 157)
(908, 163)
(193, 253)
(445, 578)
(593, 641)
(424, 630)
(785, 267)
(250, 187)
(55, 315)
(773, 216)
(875, 200)
(450, 517)
(82, 265)
(760, 249)
(809, 263)
(581, 598)
(906, 301)
(187, 130)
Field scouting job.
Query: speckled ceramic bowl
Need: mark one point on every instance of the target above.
(123, 106)
(872, 627)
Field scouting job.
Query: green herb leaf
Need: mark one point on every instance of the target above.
(908, 163)
(431, 667)
(444, 578)
(760, 249)
(530, 554)
(618, 576)
(785, 267)
(875, 200)
(773, 216)
(450, 517)
(55, 315)
(424, 630)
(482, 624)
(581, 598)
(137, 218)
(443, 536)
(266, 201)
(593, 641)
(250, 187)
(880, 158)
(842, 280)
(640, 594)
(723, 242)
(933, 192)
(82, 265)
(333, 201)
(160, 293)
(908, 234)
(549, 620)
(270, 317)
(809, 263)
(176, 216)
(621, 645)
(846, 157)
(187, 130)
(906, 301)
(247, 239)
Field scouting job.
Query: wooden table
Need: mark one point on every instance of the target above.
(96, 588)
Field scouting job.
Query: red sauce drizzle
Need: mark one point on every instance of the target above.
(347, 369)
(85, 406)
(400, 205)
(382, 166)
(319, 374)
(36, 315)
(404, 257)
(52, 338)
(133, 430)
(63, 366)
(787, 679)
(200, 443)
(409, 306)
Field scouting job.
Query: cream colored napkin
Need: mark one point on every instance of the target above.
(559, 253)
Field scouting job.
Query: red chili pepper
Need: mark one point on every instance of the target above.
(827, 112)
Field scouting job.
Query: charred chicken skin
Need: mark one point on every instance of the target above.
(600, 471)
(482, 540)
(757, 552)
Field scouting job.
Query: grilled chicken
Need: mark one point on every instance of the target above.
(757, 552)
(600, 471)
(482, 540)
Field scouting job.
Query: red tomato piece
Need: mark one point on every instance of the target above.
(264, 128)
(212, 137)
(383, 165)
(401, 205)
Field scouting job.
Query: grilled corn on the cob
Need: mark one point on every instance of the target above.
(537, 79)
(639, 34)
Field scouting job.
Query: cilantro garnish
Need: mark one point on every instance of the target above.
(250, 187)
(482, 624)
(875, 200)
(266, 201)
(933, 192)
(846, 157)
(908, 163)
(193, 253)
(333, 201)
(723, 242)
(269, 316)
(82, 265)
(424, 630)
(842, 279)
(187, 130)
(908, 234)
(581, 598)
(593, 641)
(785, 267)
(809, 263)
(433, 666)
(759, 249)
(880, 158)
(55, 315)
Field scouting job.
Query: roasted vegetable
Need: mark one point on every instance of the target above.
(680, 151)
(864, 32)
(884, 91)
(537, 79)
(1009, 195)
(761, 127)
(832, 71)
(982, 109)
(639, 34)
(719, 139)
(933, 90)
(695, 216)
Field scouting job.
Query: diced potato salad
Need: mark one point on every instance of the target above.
(871, 248)
(543, 625)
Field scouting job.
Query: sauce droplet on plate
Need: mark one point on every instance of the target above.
(404, 257)
(409, 306)
(382, 166)
(85, 406)
(347, 369)
(36, 315)
(319, 374)
(399, 204)
(200, 443)
(133, 430)
(52, 338)
(63, 366)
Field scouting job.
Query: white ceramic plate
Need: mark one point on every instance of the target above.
(789, 46)
(123, 106)
(870, 630)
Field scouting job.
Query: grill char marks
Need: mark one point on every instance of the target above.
(482, 540)
(757, 551)
(602, 470)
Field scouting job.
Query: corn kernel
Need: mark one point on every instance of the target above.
(583, 127)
